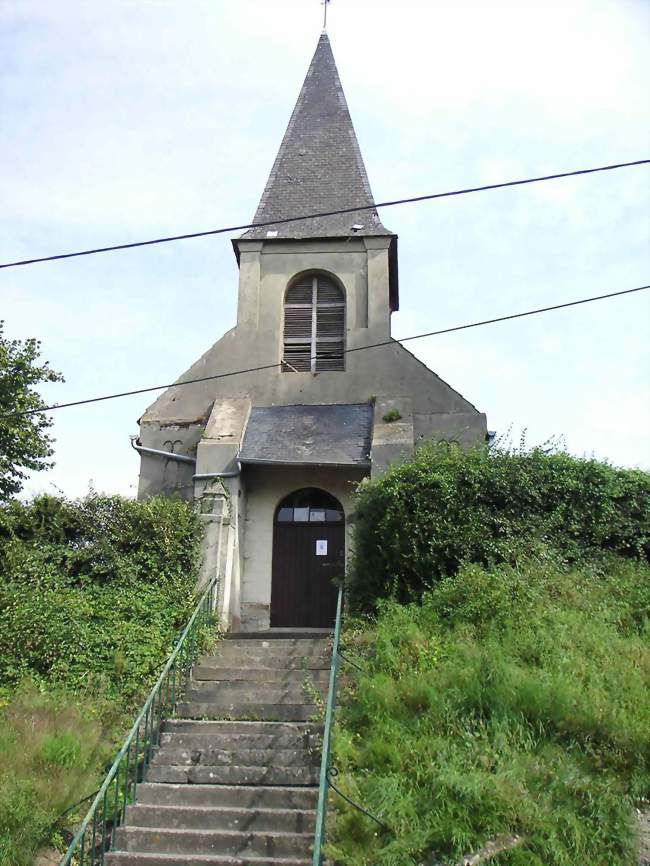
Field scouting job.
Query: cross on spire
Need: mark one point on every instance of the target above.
(325, 5)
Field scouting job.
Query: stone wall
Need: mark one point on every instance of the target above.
(266, 486)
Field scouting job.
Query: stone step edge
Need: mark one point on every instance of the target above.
(208, 859)
(166, 748)
(243, 698)
(228, 711)
(181, 789)
(214, 737)
(304, 632)
(230, 834)
(294, 671)
(275, 646)
(249, 638)
(308, 727)
(236, 743)
(245, 687)
(243, 767)
(240, 810)
(292, 652)
(183, 786)
(219, 714)
(275, 652)
(261, 659)
(317, 670)
(167, 757)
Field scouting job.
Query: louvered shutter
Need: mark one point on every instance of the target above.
(298, 315)
(330, 326)
(314, 326)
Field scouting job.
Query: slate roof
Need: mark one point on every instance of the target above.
(319, 165)
(331, 435)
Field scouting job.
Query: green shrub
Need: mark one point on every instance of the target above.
(94, 590)
(423, 519)
(526, 714)
(93, 595)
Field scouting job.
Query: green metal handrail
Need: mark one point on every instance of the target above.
(96, 835)
(324, 783)
(327, 770)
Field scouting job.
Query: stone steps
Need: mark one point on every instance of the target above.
(283, 676)
(297, 686)
(267, 693)
(231, 742)
(215, 757)
(250, 711)
(145, 840)
(276, 634)
(268, 660)
(232, 775)
(122, 858)
(234, 778)
(237, 727)
(219, 818)
(228, 796)
(275, 643)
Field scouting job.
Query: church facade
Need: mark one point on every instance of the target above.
(273, 455)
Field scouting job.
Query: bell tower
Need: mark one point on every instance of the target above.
(319, 169)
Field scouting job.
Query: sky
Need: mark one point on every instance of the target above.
(130, 119)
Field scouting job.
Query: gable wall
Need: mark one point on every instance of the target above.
(429, 406)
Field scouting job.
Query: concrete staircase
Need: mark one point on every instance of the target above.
(234, 781)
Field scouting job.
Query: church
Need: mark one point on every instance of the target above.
(273, 456)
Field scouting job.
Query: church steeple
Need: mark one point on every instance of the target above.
(319, 165)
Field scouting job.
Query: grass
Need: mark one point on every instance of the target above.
(56, 746)
(511, 701)
(53, 749)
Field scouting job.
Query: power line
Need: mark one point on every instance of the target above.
(291, 219)
(390, 342)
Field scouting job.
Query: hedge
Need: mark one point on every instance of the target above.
(425, 518)
(93, 590)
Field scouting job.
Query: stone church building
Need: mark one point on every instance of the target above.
(273, 456)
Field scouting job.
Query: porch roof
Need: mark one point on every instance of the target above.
(331, 435)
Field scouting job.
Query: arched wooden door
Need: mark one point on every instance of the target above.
(308, 553)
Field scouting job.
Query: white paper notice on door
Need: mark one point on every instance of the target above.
(321, 547)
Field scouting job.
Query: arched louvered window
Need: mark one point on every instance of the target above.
(314, 326)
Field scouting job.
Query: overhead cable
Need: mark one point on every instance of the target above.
(390, 342)
(292, 219)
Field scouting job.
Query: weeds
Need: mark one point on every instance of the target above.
(52, 749)
(511, 701)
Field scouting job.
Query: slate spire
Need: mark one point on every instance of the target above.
(319, 165)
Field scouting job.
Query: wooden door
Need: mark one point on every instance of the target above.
(307, 555)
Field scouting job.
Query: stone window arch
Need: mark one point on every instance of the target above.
(314, 325)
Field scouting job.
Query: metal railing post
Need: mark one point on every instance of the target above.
(321, 811)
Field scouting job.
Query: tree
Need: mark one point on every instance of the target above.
(24, 440)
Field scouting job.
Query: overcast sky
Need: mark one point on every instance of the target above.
(129, 119)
